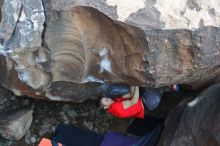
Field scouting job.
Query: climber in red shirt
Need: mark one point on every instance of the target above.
(129, 105)
(132, 104)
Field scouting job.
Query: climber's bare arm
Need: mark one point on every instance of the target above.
(134, 97)
(130, 94)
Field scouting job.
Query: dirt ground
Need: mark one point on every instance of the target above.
(48, 115)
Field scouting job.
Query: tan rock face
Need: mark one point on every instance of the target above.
(145, 14)
(81, 48)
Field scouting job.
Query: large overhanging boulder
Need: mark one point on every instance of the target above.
(60, 49)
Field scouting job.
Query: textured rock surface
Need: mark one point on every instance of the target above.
(15, 125)
(195, 123)
(22, 25)
(145, 14)
(79, 45)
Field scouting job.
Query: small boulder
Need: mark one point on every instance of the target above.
(13, 126)
(72, 114)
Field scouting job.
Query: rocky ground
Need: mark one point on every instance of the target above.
(48, 115)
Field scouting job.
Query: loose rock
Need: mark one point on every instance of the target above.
(15, 125)
(72, 113)
(33, 139)
(88, 124)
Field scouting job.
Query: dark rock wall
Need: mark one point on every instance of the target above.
(194, 123)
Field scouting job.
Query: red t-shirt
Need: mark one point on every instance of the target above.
(117, 109)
